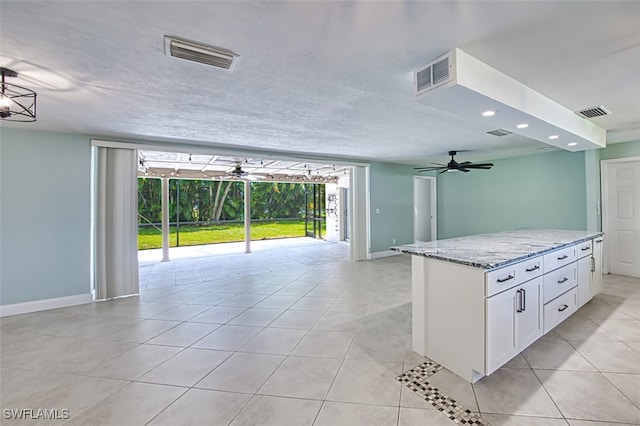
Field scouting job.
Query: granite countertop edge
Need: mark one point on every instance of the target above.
(494, 265)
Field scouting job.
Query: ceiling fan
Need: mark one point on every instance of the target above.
(238, 173)
(453, 165)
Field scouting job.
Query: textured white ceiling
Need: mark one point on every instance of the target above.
(324, 78)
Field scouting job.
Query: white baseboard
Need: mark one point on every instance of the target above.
(381, 254)
(43, 305)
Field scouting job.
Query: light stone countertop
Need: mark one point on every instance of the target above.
(490, 251)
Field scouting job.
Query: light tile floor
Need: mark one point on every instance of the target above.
(300, 336)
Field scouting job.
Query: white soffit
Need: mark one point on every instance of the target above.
(473, 87)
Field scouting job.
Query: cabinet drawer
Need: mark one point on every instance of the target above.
(500, 280)
(560, 309)
(585, 249)
(559, 281)
(559, 258)
(529, 269)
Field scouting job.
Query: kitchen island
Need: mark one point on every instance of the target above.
(478, 301)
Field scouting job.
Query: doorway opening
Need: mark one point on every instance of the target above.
(314, 211)
(425, 226)
(212, 199)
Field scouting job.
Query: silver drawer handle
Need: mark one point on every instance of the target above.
(564, 280)
(563, 308)
(563, 257)
(532, 269)
(510, 277)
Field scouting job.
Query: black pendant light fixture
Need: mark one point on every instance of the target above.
(17, 103)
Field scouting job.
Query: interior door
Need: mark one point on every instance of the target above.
(424, 209)
(622, 220)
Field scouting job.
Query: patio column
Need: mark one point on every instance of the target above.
(247, 216)
(165, 219)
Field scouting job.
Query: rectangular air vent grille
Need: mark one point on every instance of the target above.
(199, 52)
(424, 79)
(441, 70)
(436, 73)
(499, 132)
(592, 112)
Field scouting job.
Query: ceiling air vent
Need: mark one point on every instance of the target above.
(499, 132)
(592, 112)
(199, 52)
(423, 79)
(435, 73)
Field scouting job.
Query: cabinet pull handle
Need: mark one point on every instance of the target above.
(532, 269)
(519, 301)
(563, 308)
(585, 248)
(563, 257)
(599, 241)
(593, 264)
(564, 280)
(524, 300)
(510, 277)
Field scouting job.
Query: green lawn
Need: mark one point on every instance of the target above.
(150, 237)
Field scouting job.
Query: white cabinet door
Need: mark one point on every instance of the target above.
(501, 329)
(584, 280)
(596, 278)
(529, 312)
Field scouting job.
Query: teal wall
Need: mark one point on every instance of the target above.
(391, 191)
(536, 191)
(45, 215)
(620, 150)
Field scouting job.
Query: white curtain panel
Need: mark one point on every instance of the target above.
(358, 209)
(117, 223)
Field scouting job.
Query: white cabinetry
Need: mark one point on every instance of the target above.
(584, 280)
(589, 270)
(473, 320)
(596, 278)
(514, 321)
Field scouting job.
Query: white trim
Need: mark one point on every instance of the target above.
(621, 160)
(45, 304)
(604, 209)
(381, 254)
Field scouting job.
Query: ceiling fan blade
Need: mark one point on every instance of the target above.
(482, 164)
(444, 171)
(429, 169)
(478, 167)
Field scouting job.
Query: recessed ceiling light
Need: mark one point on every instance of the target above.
(572, 143)
(488, 113)
(554, 137)
(522, 126)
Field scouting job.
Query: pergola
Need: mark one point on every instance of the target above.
(171, 165)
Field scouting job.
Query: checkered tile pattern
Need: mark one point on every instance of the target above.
(416, 380)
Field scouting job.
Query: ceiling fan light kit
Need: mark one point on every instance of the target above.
(17, 103)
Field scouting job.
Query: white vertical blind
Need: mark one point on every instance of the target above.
(359, 211)
(116, 223)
